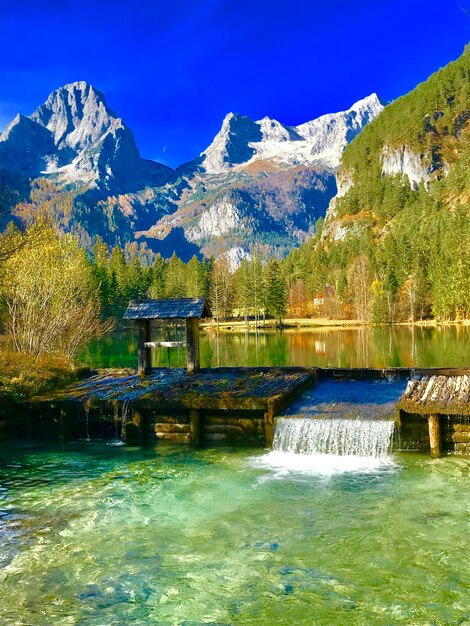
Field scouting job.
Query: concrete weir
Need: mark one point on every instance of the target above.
(240, 405)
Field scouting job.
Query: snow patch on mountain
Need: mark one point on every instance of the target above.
(241, 142)
(274, 131)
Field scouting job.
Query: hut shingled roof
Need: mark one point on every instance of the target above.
(441, 393)
(167, 308)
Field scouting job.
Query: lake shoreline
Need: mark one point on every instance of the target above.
(321, 323)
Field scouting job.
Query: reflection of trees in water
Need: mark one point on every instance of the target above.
(384, 346)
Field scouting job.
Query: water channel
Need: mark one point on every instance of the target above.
(329, 527)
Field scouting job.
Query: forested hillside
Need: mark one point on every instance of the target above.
(396, 241)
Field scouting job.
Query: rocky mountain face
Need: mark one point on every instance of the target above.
(77, 141)
(261, 183)
(258, 184)
(241, 142)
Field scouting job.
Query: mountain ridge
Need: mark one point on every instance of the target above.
(231, 196)
(276, 135)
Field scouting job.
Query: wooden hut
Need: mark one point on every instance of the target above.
(442, 399)
(189, 310)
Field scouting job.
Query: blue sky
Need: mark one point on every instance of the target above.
(173, 68)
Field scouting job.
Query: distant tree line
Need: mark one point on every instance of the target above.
(419, 269)
(255, 290)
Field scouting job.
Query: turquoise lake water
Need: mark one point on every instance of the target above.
(95, 535)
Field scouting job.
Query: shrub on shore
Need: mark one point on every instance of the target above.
(23, 376)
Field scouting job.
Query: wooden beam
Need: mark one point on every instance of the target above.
(144, 353)
(269, 427)
(192, 341)
(195, 427)
(165, 344)
(434, 435)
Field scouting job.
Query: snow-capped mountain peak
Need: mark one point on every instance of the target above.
(241, 141)
(370, 103)
(231, 144)
(272, 130)
(75, 138)
(258, 181)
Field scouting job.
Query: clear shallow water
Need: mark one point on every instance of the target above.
(99, 535)
(396, 346)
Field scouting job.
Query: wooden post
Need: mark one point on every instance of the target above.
(144, 352)
(269, 423)
(192, 341)
(269, 429)
(134, 432)
(195, 427)
(434, 435)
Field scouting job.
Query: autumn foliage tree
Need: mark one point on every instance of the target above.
(51, 303)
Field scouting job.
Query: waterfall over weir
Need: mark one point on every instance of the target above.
(339, 437)
(325, 447)
(336, 426)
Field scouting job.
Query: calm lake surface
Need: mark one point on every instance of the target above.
(396, 346)
(94, 535)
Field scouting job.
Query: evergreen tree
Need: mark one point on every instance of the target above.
(276, 293)
(221, 295)
(175, 283)
(118, 281)
(194, 279)
(102, 277)
(243, 290)
(157, 278)
(207, 267)
(258, 291)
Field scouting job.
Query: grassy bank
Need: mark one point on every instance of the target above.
(23, 376)
(240, 325)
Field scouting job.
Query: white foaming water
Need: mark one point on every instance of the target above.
(329, 446)
(341, 437)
